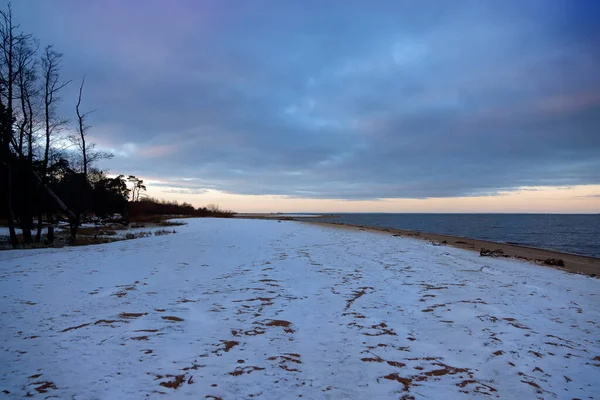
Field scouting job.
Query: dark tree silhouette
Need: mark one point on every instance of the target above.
(9, 40)
(137, 185)
(38, 178)
(52, 124)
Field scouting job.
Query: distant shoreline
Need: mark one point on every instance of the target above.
(279, 215)
(572, 262)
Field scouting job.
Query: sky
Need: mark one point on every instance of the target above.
(391, 106)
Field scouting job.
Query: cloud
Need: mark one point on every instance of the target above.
(338, 100)
(158, 151)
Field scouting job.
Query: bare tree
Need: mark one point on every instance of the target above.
(83, 146)
(88, 150)
(31, 94)
(8, 41)
(26, 84)
(17, 66)
(52, 85)
(82, 128)
(5, 137)
(89, 157)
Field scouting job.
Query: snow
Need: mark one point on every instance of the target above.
(234, 309)
(120, 233)
(4, 231)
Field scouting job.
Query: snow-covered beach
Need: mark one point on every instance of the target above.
(238, 309)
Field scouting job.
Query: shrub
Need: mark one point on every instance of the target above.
(136, 235)
(157, 211)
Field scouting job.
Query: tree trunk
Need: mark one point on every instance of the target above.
(38, 235)
(50, 236)
(11, 215)
(27, 238)
(6, 135)
(81, 205)
(8, 132)
(26, 217)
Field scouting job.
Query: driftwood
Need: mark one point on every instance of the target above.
(491, 253)
(554, 261)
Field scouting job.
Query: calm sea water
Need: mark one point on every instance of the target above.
(577, 234)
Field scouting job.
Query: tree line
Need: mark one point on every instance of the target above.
(48, 165)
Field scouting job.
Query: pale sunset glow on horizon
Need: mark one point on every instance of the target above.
(552, 200)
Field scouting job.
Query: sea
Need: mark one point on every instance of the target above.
(567, 233)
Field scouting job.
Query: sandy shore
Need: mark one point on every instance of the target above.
(572, 263)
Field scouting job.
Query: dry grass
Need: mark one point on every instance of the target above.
(356, 295)
(44, 386)
(172, 318)
(107, 230)
(131, 315)
(177, 381)
(228, 345)
(74, 327)
(284, 324)
(245, 370)
(89, 240)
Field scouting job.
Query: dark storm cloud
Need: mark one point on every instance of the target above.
(337, 99)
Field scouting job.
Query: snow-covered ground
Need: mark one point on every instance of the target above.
(239, 309)
(4, 231)
(118, 234)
